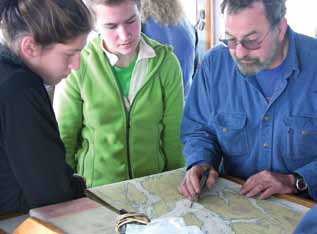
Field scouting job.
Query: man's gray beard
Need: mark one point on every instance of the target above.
(257, 65)
(254, 68)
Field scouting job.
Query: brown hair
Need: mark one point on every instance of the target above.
(48, 21)
(92, 3)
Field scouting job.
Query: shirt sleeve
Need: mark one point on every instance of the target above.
(198, 163)
(173, 95)
(309, 172)
(35, 152)
(198, 136)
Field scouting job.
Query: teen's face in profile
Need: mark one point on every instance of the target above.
(120, 27)
(57, 61)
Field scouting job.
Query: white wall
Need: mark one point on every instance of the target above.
(301, 16)
(190, 9)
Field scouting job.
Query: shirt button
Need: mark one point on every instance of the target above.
(266, 118)
(225, 129)
(266, 145)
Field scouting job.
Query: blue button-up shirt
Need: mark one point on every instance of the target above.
(226, 115)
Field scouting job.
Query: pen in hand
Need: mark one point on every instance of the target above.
(202, 184)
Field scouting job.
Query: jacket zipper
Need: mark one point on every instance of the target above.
(127, 113)
(128, 143)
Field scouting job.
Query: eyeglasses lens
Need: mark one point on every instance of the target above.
(250, 45)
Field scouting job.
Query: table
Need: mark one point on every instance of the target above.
(222, 208)
(9, 222)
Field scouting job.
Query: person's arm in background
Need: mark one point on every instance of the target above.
(173, 95)
(198, 137)
(68, 108)
(35, 153)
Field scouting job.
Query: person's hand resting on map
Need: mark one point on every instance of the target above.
(245, 115)
(266, 183)
(263, 184)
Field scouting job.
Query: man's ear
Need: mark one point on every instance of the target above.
(28, 48)
(282, 27)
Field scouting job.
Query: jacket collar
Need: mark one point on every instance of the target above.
(7, 54)
(292, 59)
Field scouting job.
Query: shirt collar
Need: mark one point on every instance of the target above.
(145, 52)
(291, 60)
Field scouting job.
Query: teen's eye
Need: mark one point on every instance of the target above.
(110, 26)
(131, 21)
(69, 55)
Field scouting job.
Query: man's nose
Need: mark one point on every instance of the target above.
(241, 51)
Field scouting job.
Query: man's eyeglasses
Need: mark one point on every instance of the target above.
(246, 43)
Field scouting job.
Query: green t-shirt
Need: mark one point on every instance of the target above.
(123, 75)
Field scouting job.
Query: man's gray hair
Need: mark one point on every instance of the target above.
(275, 9)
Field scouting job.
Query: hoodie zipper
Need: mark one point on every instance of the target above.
(127, 113)
(128, 143)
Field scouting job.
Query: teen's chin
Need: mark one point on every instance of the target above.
(57, 80)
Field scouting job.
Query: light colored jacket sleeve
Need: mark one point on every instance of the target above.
(173, 95)
(68, 105)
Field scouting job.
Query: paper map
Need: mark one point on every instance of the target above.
(221, 210)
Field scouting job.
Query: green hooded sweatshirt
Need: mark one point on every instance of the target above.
(109, 138)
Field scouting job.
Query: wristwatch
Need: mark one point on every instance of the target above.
(300, 184)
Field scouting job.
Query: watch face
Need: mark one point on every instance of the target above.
(301, 184)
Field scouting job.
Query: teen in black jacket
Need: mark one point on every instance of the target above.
(41, 44)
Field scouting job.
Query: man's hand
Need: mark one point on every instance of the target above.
(267, 183)
(190, 184)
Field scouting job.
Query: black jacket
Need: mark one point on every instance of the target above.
(33, 171)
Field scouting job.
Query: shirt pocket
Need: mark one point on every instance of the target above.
(231, 133)
(301, 137)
